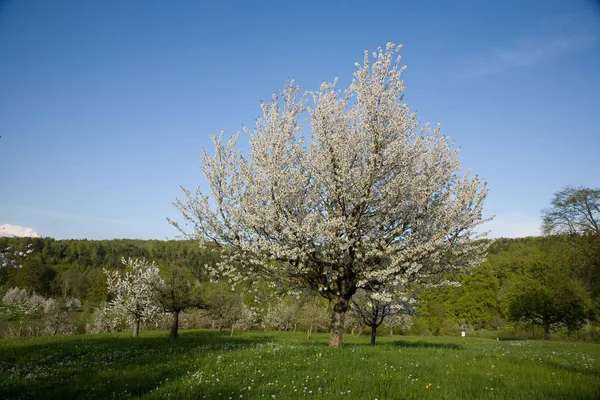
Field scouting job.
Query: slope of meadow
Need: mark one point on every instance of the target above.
(206, 364)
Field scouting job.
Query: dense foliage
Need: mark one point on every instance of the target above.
(550, 282)
(543, 283)
(74, 268)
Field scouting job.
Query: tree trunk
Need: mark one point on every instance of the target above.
(532, 331)
(546, 330)
(295, 325)
(309, 332)
(339, 306)
(391, 331)
(175, 326)
(220, 327)
(373, 334)
(232, 328)
(136, 327)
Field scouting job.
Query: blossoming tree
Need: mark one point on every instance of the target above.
(134, 292)
(340, 190)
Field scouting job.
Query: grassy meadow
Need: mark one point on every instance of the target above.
(204, 364)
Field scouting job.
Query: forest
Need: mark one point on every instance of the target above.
(528, 286)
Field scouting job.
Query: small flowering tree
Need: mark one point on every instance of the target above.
(56, 316)
(244, 319)
(106, 319)
(29, 306)
(366, 198)
(134, 292)
(283, 315)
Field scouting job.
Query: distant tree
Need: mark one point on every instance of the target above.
(574, 210)
(313, 315)
(374, 308)
(245, 319)
(401, 321)
(365, 197)
(29, 306)
(354, 323)
(545, 296)
(283, 315)
(56, 316)
(222, 305)
(177, 291)
(133, 292)
(548, 309)
(106, 319)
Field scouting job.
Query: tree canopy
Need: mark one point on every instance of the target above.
(367, 197)
(574, 210)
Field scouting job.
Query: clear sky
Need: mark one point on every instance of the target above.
(106, 105)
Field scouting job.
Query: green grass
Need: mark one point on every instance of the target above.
(205, 364)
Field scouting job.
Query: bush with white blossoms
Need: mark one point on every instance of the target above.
(106, 319)
(41, 316)
(283, 315)
(21, 300)
(244, 319)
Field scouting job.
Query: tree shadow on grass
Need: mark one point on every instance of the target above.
(107, 366)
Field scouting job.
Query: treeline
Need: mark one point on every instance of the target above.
(548, 282)
(74, 268)
(544, 283)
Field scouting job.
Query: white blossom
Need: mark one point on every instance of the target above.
(10, 257)
(365, 198)
(134, 292)
(23, 302)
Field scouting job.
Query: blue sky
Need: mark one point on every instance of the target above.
(106, 105)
